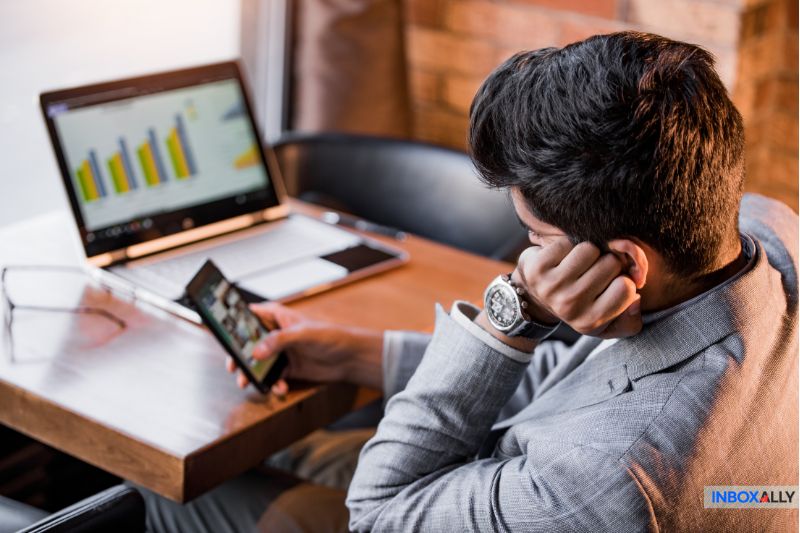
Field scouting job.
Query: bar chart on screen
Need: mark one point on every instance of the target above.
(147, 154)
(124, 176)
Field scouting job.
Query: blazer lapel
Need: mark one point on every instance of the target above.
(577, 355)
(577, 384)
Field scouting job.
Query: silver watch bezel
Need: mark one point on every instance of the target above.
(521, 319)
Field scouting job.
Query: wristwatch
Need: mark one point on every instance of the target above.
(505, 305)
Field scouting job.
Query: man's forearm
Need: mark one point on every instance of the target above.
(383, 360)
(365, 366)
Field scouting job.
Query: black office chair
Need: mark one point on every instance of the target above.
(119, 509)
(413, 186)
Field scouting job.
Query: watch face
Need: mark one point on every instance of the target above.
(501, 304)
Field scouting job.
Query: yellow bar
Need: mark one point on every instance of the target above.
(124, 181)
(82, 183)
(148, 164)
(173, 155)
(180, 156)
(91, 183)
(181, 153)
(248, 158)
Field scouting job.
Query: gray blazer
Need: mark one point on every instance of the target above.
(707, 395)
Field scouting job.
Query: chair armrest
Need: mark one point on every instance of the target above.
(119, 509)
(16, 515)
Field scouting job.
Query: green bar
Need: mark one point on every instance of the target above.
(115, 177)
(173, 155)
(82, 183)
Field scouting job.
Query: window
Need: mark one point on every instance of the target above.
(49, 44)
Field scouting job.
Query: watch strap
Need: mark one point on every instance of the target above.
(529, 329)
(533, 330)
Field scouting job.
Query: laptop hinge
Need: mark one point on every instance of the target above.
(189, 236)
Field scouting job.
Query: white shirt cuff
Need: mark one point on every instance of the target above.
(392, 347)
(464, 314)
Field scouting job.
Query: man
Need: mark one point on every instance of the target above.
(624, 158)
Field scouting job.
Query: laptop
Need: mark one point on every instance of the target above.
(166, 171)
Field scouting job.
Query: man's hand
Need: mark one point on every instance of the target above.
(580, 286)
(317, 351)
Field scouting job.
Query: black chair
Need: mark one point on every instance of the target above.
(412, 186)
(119, 509)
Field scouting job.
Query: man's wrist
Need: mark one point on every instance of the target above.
(522, 344)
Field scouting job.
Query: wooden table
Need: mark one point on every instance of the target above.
(153, 403)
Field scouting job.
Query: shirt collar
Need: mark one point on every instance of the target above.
(748, 248)
(730, 307)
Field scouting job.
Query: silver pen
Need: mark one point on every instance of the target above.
(349, 221)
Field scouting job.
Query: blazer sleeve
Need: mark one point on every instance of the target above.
(403, 351)
(417, 473)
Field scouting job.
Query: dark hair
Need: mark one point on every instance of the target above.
(620, 135)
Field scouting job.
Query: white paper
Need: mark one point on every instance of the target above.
(280, 282)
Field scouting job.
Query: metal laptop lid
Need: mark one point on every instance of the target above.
(153, 162)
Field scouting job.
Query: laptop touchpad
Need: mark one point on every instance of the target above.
(280, 282)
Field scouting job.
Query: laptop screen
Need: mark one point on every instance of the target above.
(145, 159)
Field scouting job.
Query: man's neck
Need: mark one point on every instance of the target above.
(672, 294)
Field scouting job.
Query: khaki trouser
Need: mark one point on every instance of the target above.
(299, 489)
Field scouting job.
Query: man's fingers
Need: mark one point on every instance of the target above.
(536, 260)
(548, 256)
(277, 341)
(267, 313)
(596, 317)
(275, 315)
(621, 293)
(266, 307)
(280, 389)
(230, 365)
(597, 278)
(578, 261)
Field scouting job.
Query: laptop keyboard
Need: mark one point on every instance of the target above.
(285, 241)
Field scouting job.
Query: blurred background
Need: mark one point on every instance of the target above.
(400, 68)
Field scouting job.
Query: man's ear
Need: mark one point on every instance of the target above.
(634, 257)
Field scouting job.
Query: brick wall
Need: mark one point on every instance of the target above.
(766, 94)
(453, 44)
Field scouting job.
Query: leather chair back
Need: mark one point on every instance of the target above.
(413, 186)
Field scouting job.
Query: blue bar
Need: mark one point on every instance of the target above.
(162, 172)
(123, 149)
(101, 188)
(187, 152)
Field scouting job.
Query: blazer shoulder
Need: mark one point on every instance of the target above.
(688, 392)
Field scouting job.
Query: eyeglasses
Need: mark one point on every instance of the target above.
(9, 306)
